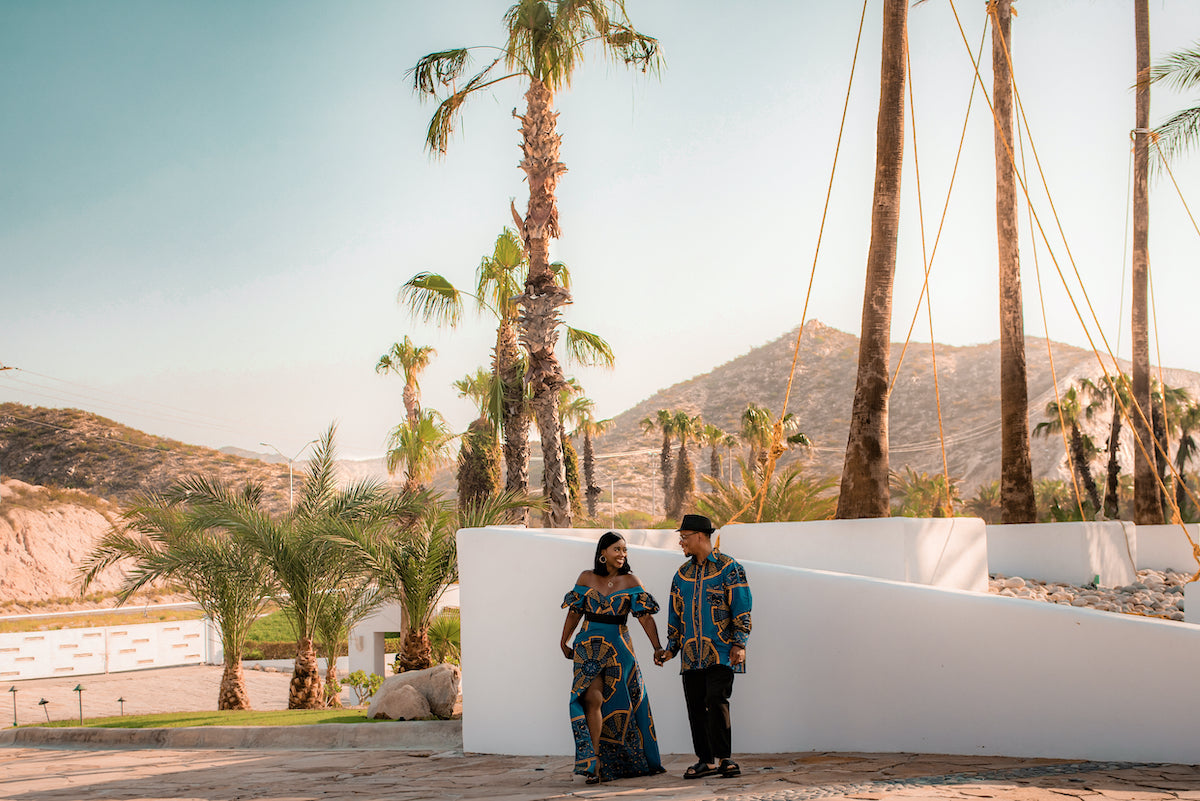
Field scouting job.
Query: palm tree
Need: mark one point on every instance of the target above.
(412, 556)
(224, 575)
(1181, 131)
(791, 496)
(421, 447)
(985, 503)
(684, 489)
(1188, 422)
(345, 606)
(1116, 392)
(1170, 404)
(864, 485)
(663, 420)
(589, 427)
(544, 45)
(713, 437)
(1016, 466)
(757, 430)
(923, 494)
(1147, 504)
(479, 470)
(433, 298)
(1077, 404)
(409, 360)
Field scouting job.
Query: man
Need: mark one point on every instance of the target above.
(709, 622)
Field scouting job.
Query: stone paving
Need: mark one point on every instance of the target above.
(76, 774)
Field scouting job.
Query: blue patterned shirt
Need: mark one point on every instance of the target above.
(709, 612)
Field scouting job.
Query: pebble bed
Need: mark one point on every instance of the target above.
(1156, 593)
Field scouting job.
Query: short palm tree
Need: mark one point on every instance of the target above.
(923, 494)
(162, 539)
(985, 503)
(544, 46)
(479, 457)
(409, 360)
(412, 556)
(421, 448)
(791, 496)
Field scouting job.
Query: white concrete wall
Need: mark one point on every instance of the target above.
(1073, 553)
(1166, 548)
(367, 651)
(840, 663)
(110, 649)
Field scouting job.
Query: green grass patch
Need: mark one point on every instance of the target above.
(114, 618)
(175, 720)
(275, 627)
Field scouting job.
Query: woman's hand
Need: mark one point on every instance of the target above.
(566, 649)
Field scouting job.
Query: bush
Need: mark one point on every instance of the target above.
(363, 686)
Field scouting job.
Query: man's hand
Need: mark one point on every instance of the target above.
(661, 656)
(737, 655)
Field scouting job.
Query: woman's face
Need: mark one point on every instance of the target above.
(615, 556)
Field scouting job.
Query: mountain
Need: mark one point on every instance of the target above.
(968, 380)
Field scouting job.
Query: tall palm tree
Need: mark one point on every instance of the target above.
(409, 360)
(864, 485)
(224, 575)
(1170, 404)
(758, 428)
(421, 447)
(1147, 505)
(589, 427)
(412, 556)
(1180, 131)
(1076, 405)
(664, 421)
(712, 437)
(434, 299)
(683, 491)
(1116, 392)
(1188, 423)
(544, 46)
(1016, 466)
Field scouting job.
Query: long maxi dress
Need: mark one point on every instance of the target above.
(628, 744)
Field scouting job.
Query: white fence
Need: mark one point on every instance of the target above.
(111, 649)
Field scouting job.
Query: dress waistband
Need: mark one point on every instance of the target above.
(593, 617)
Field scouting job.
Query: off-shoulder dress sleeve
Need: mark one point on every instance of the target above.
(644, 604)
(574, 599)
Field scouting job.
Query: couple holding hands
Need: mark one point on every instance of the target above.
(708, 626)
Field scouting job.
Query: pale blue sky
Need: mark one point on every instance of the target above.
(206, 209)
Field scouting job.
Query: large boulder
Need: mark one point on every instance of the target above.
(438, 686)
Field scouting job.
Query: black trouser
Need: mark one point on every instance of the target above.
(706, 693)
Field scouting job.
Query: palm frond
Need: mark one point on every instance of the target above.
(1177, 134)
(634, 48)
(438, 70)
(589, 349)
(1179, 70)
(432, 298)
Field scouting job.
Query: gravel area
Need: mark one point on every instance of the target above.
(1156, 593)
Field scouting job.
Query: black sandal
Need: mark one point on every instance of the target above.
(699, 770)
(728, 769)
(593, 778)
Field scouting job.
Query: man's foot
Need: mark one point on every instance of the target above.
(699, 770)
(728, 769)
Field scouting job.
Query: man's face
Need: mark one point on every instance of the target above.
(688, 541)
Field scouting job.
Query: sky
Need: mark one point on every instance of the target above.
(207, 208)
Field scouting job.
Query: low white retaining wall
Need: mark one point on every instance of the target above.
(367, 649)
(837, 663)
(111, 649)
(1167, 548)
(944, 552)
(1072, 553)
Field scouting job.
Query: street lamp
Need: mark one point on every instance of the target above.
(121, 701)
(13, 690)
(42, 703)
(289, 463)
(79, 689)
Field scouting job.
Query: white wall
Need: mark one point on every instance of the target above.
(110, 649)
(1167, 548)
(367, 650)
(838, 663)
(1073, 553)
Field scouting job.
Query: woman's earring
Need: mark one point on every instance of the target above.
(603, 560)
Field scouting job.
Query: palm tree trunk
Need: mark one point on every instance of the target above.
(664, 465)
(1162, 467)
(412, 402)
(305, 691)
(515, 420)
(1082, 468)
(542, 298)
(684, 492)
(864, 485)
(1016, 468)
(333, 701)
(232, 693)
(589, 473)
(714, 462)
(1112, 482)
(416, 654)
(1147, 506)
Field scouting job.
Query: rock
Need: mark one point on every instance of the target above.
(402, 703)
(438, 686)
(1014, 583)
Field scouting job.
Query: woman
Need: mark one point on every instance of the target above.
(610, 714)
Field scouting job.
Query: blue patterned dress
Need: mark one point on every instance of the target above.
(628, 745)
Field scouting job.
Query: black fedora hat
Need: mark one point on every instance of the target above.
(696, 523)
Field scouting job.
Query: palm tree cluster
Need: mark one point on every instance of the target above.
(332, 559)
(756, 430)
